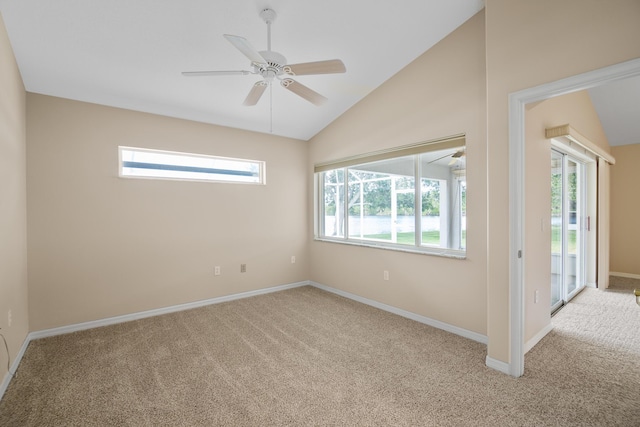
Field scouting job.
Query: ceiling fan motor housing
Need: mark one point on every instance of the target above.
(274, 65)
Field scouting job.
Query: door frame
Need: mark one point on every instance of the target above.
(517, 102)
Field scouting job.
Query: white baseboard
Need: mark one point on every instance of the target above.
(158, 311)
(627, 275)
(14, 366)
(133, 316)
(409, 315)
(187, 306)
(498, 365)
(537, 337)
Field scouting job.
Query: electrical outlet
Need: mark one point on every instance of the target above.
(243, 268)
(293, 259)
(216, 270)
(385, 274)
(9, 318)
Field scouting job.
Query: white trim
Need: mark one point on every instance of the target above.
(498, 365)
(537, 337)
(420, 250)
(516, 236)
(187, 306)
(158, 311)
(577, 144)
(409, 315)
(133, 316)
(627, 275)
(564, 145)
(14, 366)
(165, 310)
(517, 102)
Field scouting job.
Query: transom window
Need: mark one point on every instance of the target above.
(147, 163)
(373, 200)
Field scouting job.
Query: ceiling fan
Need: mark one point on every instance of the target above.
(455, 157)
(272, 66)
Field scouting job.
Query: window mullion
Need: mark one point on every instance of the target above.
(345, 215)
(417, 186)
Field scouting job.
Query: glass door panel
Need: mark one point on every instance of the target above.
(573, 262)
(567, 231)
(557, 236)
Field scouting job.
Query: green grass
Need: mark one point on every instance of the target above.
(408, 238)
(556, 240)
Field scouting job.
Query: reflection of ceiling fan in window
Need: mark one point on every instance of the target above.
(455, 157)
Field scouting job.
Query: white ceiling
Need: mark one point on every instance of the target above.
(618, 106)
(130, 54)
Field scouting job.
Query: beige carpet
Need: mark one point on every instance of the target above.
(307, 357)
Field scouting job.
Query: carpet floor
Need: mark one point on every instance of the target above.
(307, 357)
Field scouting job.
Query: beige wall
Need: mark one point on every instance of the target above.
(440, 94)
(625, 210)
(531, 43)
(101, 246)
(577, 110)
(13, 208)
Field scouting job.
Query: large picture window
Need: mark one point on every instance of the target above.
(374, 200)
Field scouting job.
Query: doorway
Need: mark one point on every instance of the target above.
(517, 102)
(568, 218)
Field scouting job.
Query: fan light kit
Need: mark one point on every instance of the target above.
(272, 66)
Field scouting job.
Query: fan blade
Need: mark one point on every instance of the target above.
(215, 73)
(256, 92)
(439, 158)
(301, 90)
(320, 67)
(455, 157)
(245, 47)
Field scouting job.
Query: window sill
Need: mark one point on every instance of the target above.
(440, 252)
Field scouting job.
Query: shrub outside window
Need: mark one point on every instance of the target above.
(377, 203)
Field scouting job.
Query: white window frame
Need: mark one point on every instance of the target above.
(188, 168)
(457, 141)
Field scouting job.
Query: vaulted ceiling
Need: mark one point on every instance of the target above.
(618, 107)
(130, 54)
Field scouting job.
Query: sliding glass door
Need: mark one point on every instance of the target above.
(567, 228)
